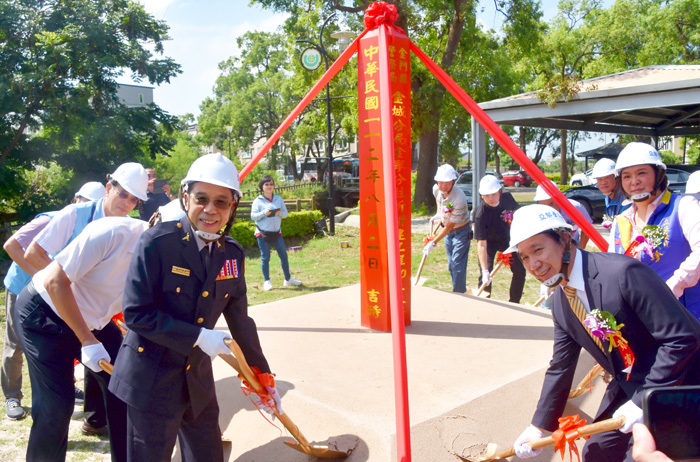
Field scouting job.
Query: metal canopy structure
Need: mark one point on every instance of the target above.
(650, 101)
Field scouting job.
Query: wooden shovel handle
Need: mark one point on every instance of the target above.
(587, 430)
(422, 261)
(586, 382)
(107, 367)
(238, 362)
(495, 270)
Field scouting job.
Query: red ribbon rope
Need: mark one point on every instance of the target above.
(504, 258)
(568, 433)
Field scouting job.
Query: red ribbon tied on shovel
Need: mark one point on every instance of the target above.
(379, 13)
(504, 258)
(568, 433)
(428, 238)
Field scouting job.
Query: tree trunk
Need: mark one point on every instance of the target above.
(427, 166)
(563, 171)
(497, 160)
(430, 138)
(523, 142)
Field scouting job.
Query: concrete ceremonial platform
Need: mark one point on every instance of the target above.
(475, 368)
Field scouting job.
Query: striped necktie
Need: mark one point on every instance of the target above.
(580, 312)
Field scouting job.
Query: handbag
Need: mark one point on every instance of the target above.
(269, 236)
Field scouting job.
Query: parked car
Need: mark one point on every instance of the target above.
(594, 200)
(516, 178)
(582, 179)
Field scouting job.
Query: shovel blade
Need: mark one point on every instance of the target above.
(317, 451)
(419, 282)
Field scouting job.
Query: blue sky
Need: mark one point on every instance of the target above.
(204, 34)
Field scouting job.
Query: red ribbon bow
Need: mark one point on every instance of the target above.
(568, 433)
(504, 258)
(428, 238)
(379, 13)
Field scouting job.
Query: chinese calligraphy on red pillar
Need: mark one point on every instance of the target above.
(373, 253)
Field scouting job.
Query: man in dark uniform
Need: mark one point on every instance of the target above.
(662, 335)
(183, 276)
(492, 231)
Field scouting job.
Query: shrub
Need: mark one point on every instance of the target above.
(297, 224)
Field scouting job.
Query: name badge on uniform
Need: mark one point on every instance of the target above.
(180, 271)
(228, 271)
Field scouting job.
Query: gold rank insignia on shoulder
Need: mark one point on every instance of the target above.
(187, 237)
(180, 271)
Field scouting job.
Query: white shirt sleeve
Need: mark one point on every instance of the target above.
(55, 235)
(688, 272)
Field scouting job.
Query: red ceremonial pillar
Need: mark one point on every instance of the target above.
(373, 196)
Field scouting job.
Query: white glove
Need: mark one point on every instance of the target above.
(212, 342)
(524, 451)
(428, 247)
(632, 413)
(264, 404)
(544, 291)
(486, 277)
(436, 219)
(90, 356)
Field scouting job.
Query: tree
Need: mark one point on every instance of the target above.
(60, 61)
(438, 28)
(257, 90)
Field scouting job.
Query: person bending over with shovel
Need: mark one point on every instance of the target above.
(648, 338)
(453, 213)
(492, 230)
(183, 276)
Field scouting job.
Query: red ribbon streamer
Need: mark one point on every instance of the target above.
(568, 433)
(504, 258)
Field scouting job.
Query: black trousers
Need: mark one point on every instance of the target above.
(517, 281)
(50, 346)
(151, 436)
(94, 406)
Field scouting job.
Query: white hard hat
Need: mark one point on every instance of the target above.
(214, 169)
(604, 167)
(541, 194)
(171, 211)
(531, 220)
(132, 177)
(445, 172)
(92, 190)
(489, 184)
(693, 184)
(638, 154)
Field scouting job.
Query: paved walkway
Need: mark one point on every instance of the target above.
(475, 368)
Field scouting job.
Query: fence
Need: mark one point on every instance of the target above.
(291, 187)
(293, 205)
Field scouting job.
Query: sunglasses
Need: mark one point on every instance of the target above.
(125, 195)
(202, 200)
